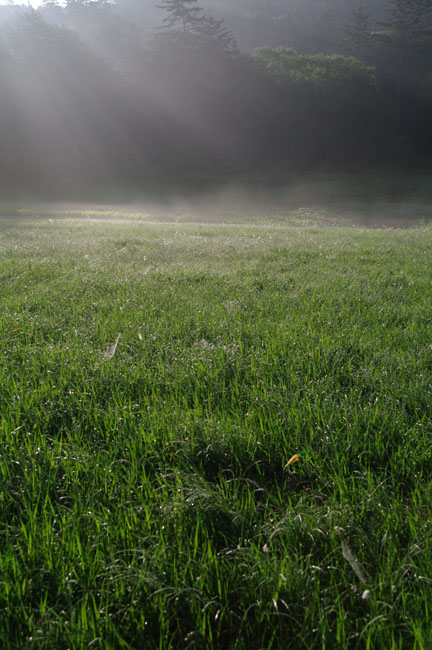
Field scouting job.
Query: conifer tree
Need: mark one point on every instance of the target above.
(183, 15)
(187, 23)
(358, 34)
(216, 36)
(407, 36)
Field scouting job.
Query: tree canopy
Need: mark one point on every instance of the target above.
(129, 90)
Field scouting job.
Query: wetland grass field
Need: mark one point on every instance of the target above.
(146, 498)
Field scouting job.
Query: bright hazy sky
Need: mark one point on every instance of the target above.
(34, 3)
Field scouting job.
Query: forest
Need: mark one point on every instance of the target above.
(131, 91)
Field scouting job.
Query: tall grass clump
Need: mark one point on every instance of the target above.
(155, 380)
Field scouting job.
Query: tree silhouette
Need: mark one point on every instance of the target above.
(215, 36)
(183, 15)
(358, 34)
(187, 24)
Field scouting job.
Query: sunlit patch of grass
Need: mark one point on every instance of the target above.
(146, 495)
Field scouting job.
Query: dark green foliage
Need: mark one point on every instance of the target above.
(401, 49)
(335, 99)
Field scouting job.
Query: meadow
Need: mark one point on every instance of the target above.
(155, 380)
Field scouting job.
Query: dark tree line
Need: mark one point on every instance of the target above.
(400, 48)
(128, 92)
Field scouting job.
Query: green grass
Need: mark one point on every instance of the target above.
(145, 499)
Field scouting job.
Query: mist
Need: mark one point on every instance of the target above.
(229, 106)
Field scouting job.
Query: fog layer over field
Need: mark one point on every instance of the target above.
(393, 199)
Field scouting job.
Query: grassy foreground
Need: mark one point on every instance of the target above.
(145, 496)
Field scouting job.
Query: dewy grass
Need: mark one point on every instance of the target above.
(145, 496)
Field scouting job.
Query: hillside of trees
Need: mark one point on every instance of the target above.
(133, 90)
